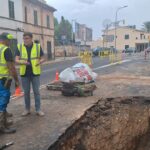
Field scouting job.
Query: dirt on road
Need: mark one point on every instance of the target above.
(38, 133)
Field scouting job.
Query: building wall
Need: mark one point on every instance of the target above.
(82, 33)
(134, 37)
(40, 31)
(96, 43)
(11, 25)
(18, 26)
(70, 50)
(5, 9)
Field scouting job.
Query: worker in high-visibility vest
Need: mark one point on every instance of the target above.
(30, 56)
(7, 72)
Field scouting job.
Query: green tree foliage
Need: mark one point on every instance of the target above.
(63, 31)
(146, 26)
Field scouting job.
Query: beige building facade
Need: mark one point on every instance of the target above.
(36, 16)
(96, 43)
(38, 19)
(126, 37)
(83, 34)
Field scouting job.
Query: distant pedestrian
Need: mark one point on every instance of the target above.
(30, 56)
(65, 53)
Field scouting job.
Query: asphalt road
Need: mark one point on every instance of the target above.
(48, 71)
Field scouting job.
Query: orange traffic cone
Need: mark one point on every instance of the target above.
(18, 92)
(57, 76)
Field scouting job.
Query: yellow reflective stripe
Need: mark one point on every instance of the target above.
(20, 49)
(34, 58)
(3, 64)
(37, 50)
(30, 59)
(1, 49)
(2, 75)
(23, 59)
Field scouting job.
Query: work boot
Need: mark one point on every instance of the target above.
(9, 114)
(9, 123)
(40, 113)
(3, 128)
(25, 113)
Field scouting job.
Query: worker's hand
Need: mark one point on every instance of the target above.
(39, 63)
(27, 63)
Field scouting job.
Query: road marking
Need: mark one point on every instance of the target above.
(105, 66)
(101, 67)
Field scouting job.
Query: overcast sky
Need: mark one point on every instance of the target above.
(94, 12)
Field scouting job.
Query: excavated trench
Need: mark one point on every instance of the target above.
(110, 124)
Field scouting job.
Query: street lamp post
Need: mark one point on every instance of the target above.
(73, 40)
(73, 23)
(116, 21)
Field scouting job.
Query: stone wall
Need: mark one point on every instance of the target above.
(70, 51)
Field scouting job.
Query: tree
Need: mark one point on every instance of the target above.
(63, 31)
(146, 26)
(56, 32)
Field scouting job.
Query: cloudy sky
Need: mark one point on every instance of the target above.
(94, 12)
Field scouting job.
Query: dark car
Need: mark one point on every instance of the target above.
(137, 50)
(130, 50)
(112, 49)
(97, 50)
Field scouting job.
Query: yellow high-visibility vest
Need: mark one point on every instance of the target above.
(4, 71)
(35, 56)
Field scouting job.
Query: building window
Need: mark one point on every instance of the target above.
(25, 14)
(35, 18)
(48, 21)
(126, 36)
(11, 9)
(126, 46)
(141, 36)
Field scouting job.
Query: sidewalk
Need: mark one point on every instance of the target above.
(38, 133)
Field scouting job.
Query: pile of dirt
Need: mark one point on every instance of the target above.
(110, 124)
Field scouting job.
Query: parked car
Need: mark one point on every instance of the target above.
(130, 50)
(97, 50)
(137, 50)
(114, 50)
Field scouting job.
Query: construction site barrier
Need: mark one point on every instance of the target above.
(86, 57)
(113, 56)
